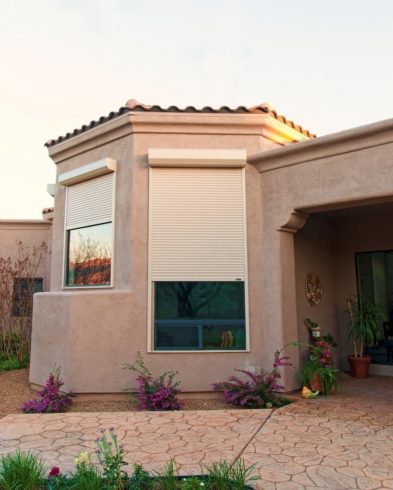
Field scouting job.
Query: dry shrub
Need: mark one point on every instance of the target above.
(17, 284)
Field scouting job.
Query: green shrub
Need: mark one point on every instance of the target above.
(22, 471)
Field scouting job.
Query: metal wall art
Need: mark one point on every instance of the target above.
(313, 289)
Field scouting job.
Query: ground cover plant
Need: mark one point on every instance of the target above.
(158, 393)
(258, 391)
(27, 472)
(51, 400)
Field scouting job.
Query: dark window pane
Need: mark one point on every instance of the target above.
(199, 315)
(375, 282)
(24, 288)
(89, 256)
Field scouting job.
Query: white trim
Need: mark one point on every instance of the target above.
(247, 318)
(150, 312)
(87, 172)
(186, 157)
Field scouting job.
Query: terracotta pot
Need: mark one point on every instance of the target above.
(359, 366)
(316, 383)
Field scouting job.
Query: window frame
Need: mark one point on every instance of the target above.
(151, 289)
(65, 286)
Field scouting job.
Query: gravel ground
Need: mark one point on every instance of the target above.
(15, 390)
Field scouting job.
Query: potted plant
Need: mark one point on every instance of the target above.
(315, 329)
(365, 330)
(318, 371)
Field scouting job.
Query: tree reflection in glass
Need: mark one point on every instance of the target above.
(90, 256)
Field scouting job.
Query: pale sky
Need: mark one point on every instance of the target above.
(327, 65)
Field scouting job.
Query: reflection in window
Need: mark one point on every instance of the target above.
(24, 288)
(89, 256)
(199, 316)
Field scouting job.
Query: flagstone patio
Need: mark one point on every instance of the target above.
(341, 442)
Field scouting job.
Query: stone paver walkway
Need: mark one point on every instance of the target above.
(341, 442)
(344, 441)
(149, 438)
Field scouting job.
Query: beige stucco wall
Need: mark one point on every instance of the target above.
(352, 168)
(31, 233)
(101, 330)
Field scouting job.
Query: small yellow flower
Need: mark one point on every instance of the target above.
(76, 461)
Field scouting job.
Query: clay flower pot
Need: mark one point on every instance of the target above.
(359, 366)
(316, 383)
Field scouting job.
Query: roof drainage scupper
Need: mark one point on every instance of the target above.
(135, 106)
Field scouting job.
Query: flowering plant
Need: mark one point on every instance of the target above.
(259, 390)
(110, 455)
(322, 351)
(155, 393)
(52, 400)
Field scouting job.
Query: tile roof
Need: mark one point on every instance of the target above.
(134, 106)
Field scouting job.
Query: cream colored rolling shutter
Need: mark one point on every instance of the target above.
(90, 202)
(197, 224)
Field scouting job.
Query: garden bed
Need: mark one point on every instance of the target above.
(15, 390)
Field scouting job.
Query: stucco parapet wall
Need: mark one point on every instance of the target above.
(351, 140)
(262, 125)
(20, 224)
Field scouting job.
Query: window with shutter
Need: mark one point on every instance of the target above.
(198, 265)
(89, 216)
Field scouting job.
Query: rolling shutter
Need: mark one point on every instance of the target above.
(197, 224)
(90, 202)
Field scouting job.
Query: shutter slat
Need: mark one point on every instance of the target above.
(90, 202)
(197, 224)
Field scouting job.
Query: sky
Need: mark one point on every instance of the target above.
(325, 65)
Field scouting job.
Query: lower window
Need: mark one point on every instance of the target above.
(199, 316)
(89, 256)
(24, 288)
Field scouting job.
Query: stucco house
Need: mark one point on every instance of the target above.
(189, 235)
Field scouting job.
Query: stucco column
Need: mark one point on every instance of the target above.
(279, 302)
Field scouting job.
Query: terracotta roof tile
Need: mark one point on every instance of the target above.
(134, 106)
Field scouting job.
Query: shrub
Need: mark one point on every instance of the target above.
(8, 363)
(155, 393)
(167, 478)
(22, 471)
(18, 276)
(52, 400)
(259, 390)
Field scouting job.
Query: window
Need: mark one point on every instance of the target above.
(89, 252)
(198, 259)
(199, 315)
(375, 282)
(24, 288)
(89, 256)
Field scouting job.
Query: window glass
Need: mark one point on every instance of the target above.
(199, 316)
(375, 282)
(24, 288)
(89, 256)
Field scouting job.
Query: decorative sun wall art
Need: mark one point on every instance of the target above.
(313, 289)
